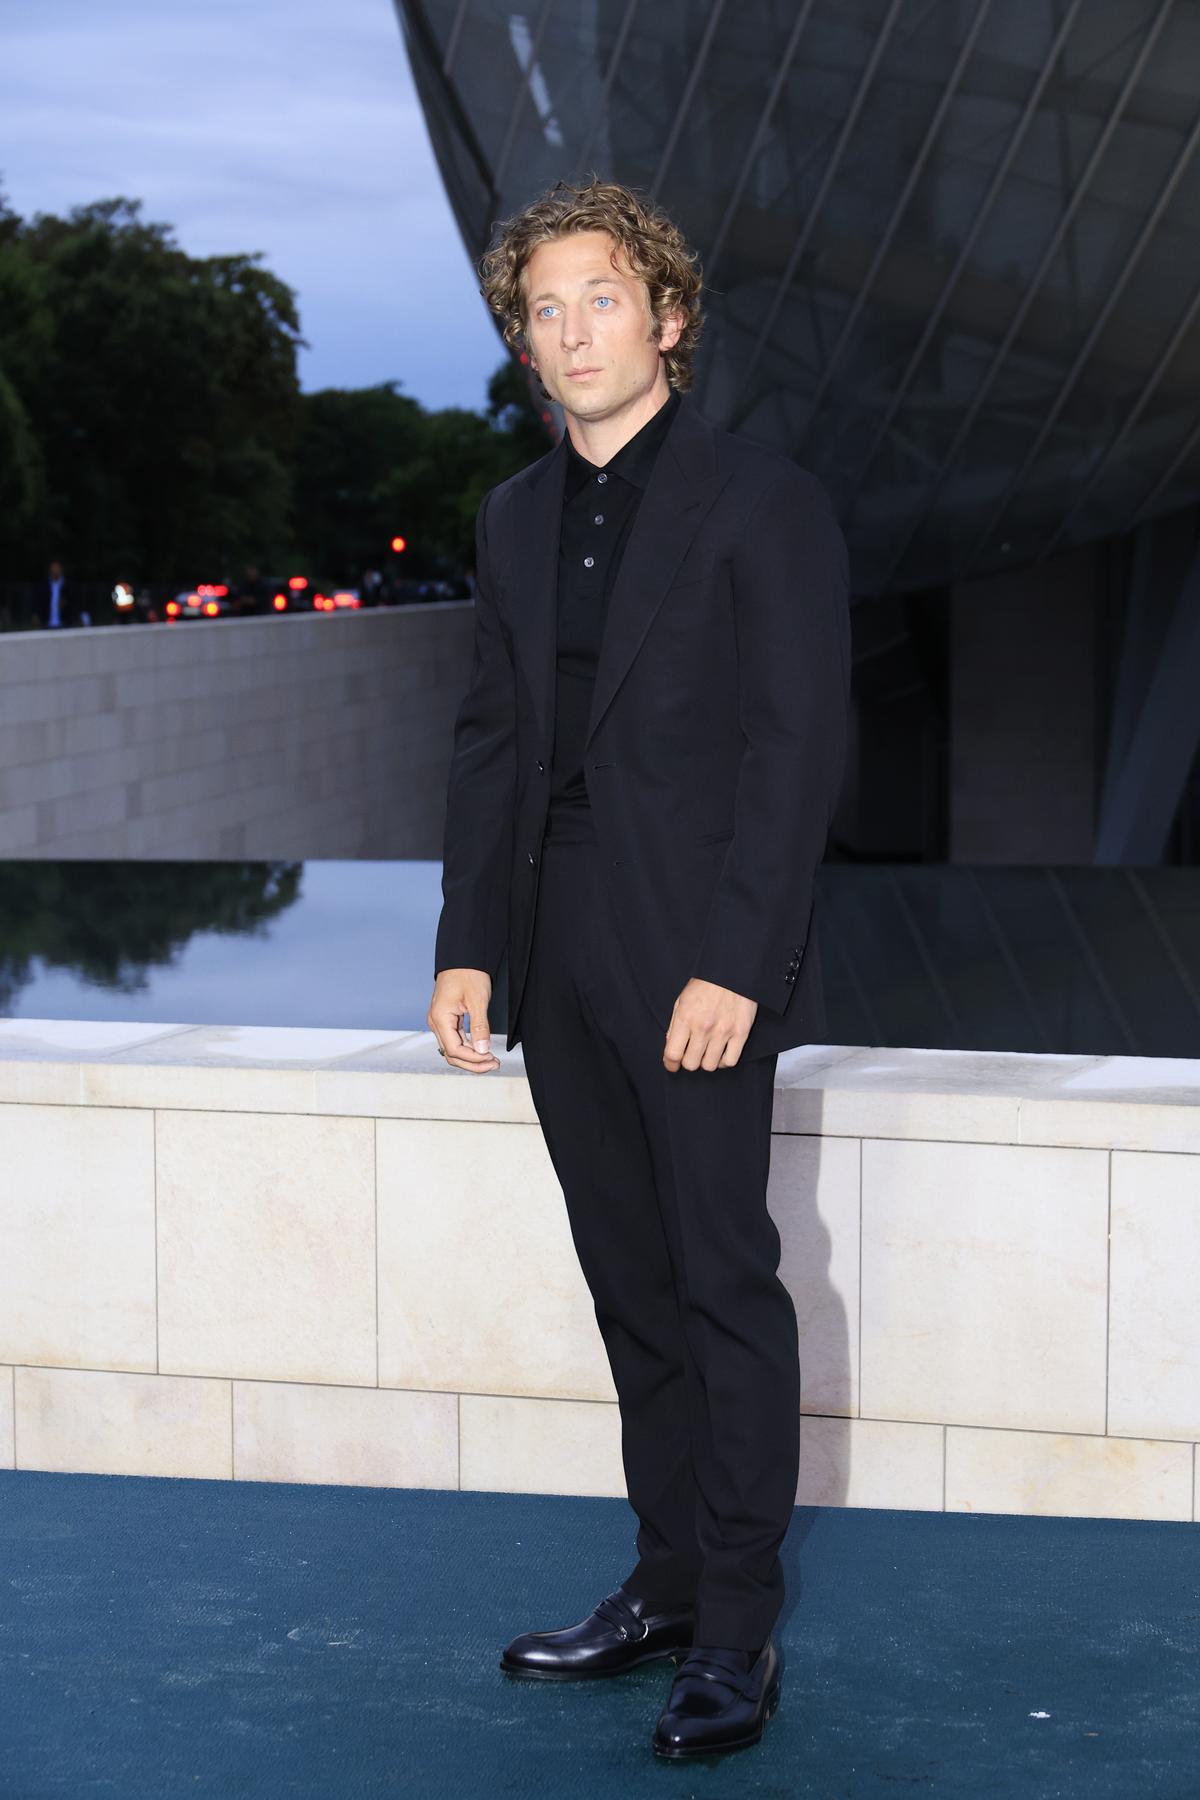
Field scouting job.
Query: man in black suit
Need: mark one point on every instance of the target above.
(645, 767)
(53, 600)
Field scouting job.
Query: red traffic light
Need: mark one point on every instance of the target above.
(398, 544)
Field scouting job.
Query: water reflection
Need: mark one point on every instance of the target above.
(1075, 960)
(205, 943)
(109, 924)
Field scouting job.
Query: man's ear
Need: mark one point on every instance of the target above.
(663, 340)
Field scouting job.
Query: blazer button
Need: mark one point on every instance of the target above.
(531, 856)
(541, 765)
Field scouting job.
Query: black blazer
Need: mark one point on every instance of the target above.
(716, 740)
(68, 612)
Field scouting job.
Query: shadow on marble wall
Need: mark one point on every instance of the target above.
(813, 1195)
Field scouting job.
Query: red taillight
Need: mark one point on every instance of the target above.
(172, 608)
(296, 582)
(210, 607)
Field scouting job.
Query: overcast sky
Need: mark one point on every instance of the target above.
(286, 126)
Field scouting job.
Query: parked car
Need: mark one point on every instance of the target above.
(337, 600)
(208, 601)
(297, 593)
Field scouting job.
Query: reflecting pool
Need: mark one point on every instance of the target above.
(207, 943)
(1073, 960)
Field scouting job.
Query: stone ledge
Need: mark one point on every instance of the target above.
(198, 1427)
(1105, 1102)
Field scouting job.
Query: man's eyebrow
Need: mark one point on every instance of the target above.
(593, 281)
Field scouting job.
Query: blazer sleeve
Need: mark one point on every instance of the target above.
(791, 599)
(481, 791)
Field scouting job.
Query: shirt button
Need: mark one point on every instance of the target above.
(588, 561)
(602, 478)
(599, 519)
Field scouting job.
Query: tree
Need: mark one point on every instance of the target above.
(162, 392)
(348, 440)
(152, 427)
(25, 334)
(372, 463)
(513, 408)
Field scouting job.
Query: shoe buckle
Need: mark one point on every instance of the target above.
(617, 1613)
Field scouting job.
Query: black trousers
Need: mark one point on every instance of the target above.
(664, 1174)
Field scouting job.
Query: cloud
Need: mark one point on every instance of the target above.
(286, 126)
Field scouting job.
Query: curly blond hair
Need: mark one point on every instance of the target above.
(655, 250)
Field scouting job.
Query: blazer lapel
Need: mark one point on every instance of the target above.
(682, 486)
(536, 525)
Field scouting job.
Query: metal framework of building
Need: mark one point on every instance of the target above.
(951, 248)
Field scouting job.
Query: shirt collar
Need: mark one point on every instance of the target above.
(634, 460)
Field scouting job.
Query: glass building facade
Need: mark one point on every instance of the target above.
(951, 262)
(951, 248)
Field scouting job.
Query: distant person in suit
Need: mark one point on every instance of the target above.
(645, 767)
(55, 606)
(55, 603)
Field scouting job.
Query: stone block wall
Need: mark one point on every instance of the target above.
(321, 1255)
(307, 736)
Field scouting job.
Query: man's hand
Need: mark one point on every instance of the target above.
(709, 1025)
(457, 992)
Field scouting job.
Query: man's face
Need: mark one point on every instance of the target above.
(55, 571)
(587, 311)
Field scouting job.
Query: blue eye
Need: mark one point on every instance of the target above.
(602, 296)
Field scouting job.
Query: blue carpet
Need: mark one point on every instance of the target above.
(214, 1638)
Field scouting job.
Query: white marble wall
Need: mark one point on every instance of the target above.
(323, 1256)
(306, 736)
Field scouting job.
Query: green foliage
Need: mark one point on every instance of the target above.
(155, 385)
(152, 426)
(348, 441)
(512, 409)
(372, 463)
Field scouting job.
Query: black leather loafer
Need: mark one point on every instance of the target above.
(618, 1634)
(716, 1705)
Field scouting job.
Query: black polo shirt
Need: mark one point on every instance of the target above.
(599, 507)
